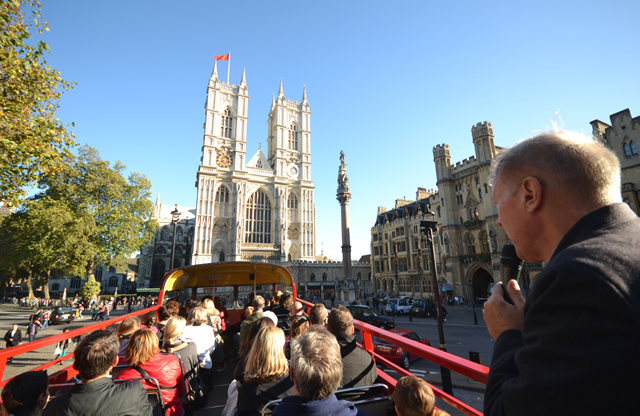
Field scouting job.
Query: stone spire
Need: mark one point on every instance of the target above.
(214, 74)
(243, 81)
(304, 95)
(281, 92)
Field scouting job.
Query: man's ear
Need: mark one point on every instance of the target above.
(531, 189)
(115, 362)
(353, 329)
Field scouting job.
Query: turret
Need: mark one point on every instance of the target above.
(482, 134)
(442, 159)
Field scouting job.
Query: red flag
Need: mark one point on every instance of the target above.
(221, 57)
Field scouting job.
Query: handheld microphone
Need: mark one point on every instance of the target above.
(511, 267)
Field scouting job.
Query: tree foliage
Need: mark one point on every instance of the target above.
(120, 207)
(32, 140)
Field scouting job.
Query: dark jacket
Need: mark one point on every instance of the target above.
(167, 370)
(252, 397)
(246, 324)
(17, 338)
(581, 327)
(331, 406)
(358, 367)
(101, 397)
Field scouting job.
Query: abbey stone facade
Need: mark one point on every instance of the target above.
(468, 240)
(260, 209)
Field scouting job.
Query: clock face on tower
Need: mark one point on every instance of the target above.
(223, 161)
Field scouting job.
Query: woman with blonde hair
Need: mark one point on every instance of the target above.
(214, 321)
(126, 328)
(266, 375)
(198, 332)
(143, 354)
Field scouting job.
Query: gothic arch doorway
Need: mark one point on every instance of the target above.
(480, 282)
(157, 272)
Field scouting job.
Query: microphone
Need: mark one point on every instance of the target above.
(511, 267)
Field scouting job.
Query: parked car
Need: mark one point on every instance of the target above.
(396, 354)
(61, 314)
(365, 314)
(422, 307)
(398, 306)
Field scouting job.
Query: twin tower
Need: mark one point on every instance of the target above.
(261, 209)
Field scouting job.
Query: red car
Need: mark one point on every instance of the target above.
(396, 354)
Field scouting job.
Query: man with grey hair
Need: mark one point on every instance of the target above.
(561, 352)
(316, 371)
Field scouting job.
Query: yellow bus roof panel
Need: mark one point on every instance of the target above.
(227, 274)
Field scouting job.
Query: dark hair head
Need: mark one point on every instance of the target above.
(173, 308)
(286, 301)
(318, 314)
(95, 353)
(163, 313)
(20, 395)
(149, 319)
(340, 322)
(255, 327)
(192, 304)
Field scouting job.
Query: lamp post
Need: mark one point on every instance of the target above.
(175, 217)
(428, 227)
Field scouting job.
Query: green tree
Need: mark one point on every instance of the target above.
(33, 141)
(120, 207)
(45, 234)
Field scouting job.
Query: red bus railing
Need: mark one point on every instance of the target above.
(67, 372)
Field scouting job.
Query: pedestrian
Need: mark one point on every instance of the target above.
(13, 337)
(45, 319)
(80, 309)
(61, 347)
(32, 329)
(332, 300)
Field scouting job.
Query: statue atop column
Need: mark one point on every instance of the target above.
(344, 195)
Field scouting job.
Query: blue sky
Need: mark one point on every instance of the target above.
(386, 82)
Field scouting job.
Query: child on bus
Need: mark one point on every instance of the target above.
(414, 397)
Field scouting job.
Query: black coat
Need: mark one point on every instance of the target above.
(577, 353)
(358, 367)
(252, 397)
(101, 397)
(17, 338)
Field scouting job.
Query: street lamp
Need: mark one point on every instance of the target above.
(175, 217)
(428, 227)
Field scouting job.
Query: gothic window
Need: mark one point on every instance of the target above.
(113, 281)
(163, 234)
(221, 258)
(480, 192)
(75, 283)
(439, 212)
(627, 150)
(258, 219)
(484, 240)
(486, 189)
(359, 275)
(478, 181)
(259, 164)
(161, 250)
(292, 207)
(447, 245)
(190, 234)
(312, 278)
(178, 251)
(293, 137)
(222, 201)
(157, 271)
(324, 277)
(179, 234)
(227, 124)
(55, 287)
(471, 246)
(634, 149)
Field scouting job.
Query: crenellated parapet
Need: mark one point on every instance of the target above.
(481, 129)
(441, 150)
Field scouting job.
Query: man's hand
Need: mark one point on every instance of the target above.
(501, 316)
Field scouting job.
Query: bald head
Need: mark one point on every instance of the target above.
(296, 309)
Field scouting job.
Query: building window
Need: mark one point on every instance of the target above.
(179, 234)
(634, 149)
(221, 258)
(163, 234)
(75, 283)
(627, 150)
(377, 265)
(258, 219)
(292, 207)
(312, 278)
(439, 212)
(222, 202)
(113, 281)
(324, 277)
(477, 181)
(375, 251)
(55, 287)
(293, 137)
(480, 192)
(227, 124)
(375, 237)
(161, 251)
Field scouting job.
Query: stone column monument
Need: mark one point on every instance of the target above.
(344, 195)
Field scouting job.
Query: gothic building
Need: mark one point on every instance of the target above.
(623, 137)
(468, 240)
(261, 209)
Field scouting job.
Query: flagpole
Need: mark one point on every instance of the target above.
(228, 66)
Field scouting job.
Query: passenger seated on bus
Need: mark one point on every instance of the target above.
(190, 304)
(284, 305)
(299, 325)
(359, 368)
(163, 316)
(95, 356)
(316, 370)
(173, 307)
(318, 314)
(248, 311)
(149, 320)
(198, 332)
(274, 302)
(245, 347)
(296, 310)
(143, 353)
(214, 321)
(26, 393)
(258, 304)
(266, 375)
(413, 397)
(126, 328)
(174, 343)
